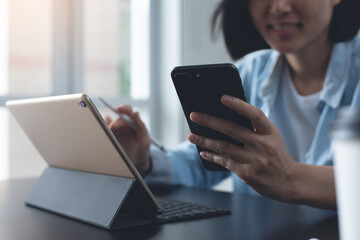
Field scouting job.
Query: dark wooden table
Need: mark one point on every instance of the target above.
(252, 218)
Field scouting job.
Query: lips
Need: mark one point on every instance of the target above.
(285, 26)
(284, 29)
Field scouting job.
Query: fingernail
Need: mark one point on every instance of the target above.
(194, 116)
(227, 99)
(192, 138)
(204, 154)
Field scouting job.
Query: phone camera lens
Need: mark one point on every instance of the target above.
(82, 103)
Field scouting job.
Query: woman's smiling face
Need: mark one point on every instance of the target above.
(290, 26)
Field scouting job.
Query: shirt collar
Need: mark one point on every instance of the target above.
(269, 87)
(335, 80)
(337, 74)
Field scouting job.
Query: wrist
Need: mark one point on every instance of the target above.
(295, 183)
(314, 186)
(145, 168)
(305, 184)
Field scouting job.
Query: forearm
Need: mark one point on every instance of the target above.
(160, 172)
(314, 186)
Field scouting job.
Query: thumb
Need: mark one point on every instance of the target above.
(108, 120)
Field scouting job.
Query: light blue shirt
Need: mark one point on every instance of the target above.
(301, 118)
(261, 73)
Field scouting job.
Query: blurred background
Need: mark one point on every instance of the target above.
(121, 50)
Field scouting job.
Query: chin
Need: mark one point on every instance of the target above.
(284, 48)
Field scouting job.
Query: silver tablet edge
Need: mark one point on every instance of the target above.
(121, 151)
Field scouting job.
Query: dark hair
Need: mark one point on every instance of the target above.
(241, 36)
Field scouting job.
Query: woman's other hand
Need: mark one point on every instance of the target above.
(134, 140)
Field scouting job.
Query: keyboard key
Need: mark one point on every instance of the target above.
(176, 211)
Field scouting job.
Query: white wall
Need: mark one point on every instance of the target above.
(198, 45)
(185, 39)
(199, 48)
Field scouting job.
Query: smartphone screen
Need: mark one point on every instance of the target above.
(200, 89)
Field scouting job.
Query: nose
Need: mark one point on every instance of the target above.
(280, 7)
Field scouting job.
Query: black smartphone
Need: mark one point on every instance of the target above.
(200, 88)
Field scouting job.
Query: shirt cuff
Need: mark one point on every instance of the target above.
(161, 171)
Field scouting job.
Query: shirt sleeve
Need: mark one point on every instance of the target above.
(161, 172)
(181, 166)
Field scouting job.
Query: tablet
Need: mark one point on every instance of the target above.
(69, 132)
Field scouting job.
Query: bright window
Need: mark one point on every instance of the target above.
(53, 47)
(26, 67)
(106, 47)
(30, 47)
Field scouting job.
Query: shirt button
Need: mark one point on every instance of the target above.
(321, 106)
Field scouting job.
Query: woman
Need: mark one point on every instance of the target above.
(294, 90)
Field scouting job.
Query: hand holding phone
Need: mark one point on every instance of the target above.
(200, 89)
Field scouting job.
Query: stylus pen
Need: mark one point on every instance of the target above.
(130, 122)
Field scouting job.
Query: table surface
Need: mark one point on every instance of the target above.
(252, 218)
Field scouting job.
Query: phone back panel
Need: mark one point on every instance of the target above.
(200, 89)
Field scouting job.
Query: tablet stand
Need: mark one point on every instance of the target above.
(106, 201)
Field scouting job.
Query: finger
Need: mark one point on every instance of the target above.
(223, 148)
(125, 109)
(139, 124)
(258, 119)
(242, 170)
(128, 115)
(227, 127)
(228, 163)
(108, 120)
(120, 125)
(220, 160)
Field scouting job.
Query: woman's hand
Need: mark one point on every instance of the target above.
(136, 142)
(263, 162)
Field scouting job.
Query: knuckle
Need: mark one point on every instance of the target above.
(222, 146)
(226, 162)
(250, 138)
(261, 164)
(257, 160)
(230, 128)
(200, 141)
(257, 114)
(269, 147)
(229, 163)
(248, 176)
(127, 107)
(219, 159)
(115, 127)
(223, 162)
